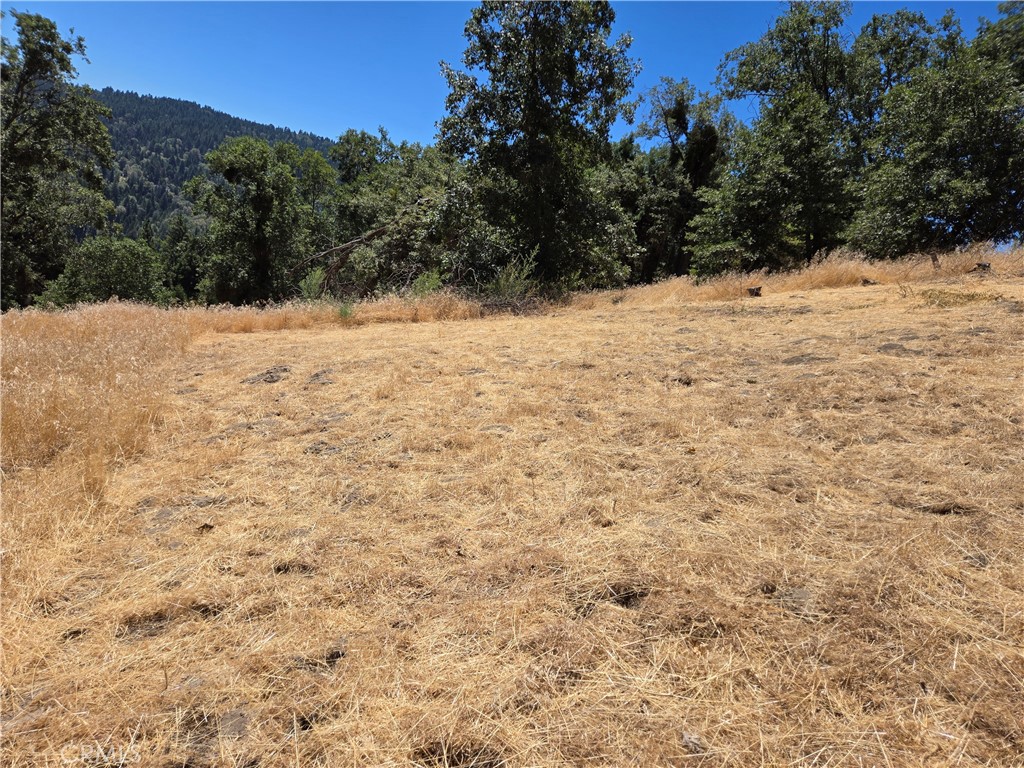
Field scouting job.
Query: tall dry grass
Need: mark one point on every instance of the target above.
(839, 270)
(442, 305)
(84, 388)
(82, 392)
(90, 380)
(435, 307)
(226, 318)
(649, 534)
(87, 381)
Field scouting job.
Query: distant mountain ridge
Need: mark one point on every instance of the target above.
(159, 144)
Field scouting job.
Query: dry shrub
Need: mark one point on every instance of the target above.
(838, 270)
(841, 269)
(443, 305)
(731, 285)
(89, 380)
(83, 390)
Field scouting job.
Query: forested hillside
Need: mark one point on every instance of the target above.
(159, 144)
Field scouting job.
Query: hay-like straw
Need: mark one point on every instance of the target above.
(656, 527)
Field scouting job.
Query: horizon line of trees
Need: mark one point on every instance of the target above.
(905, 138)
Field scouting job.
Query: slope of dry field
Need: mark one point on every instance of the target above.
(636, 531)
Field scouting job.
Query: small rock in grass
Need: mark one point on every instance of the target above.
(269, 376)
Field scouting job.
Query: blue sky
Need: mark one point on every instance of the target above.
(325, 67)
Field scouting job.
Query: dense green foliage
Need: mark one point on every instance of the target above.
(662, 188)
(106, 267)
(53, 147)
(907, 138)
(903, 137)
(532, 115)
(259, 222)
(949, 165)
(1003, 40)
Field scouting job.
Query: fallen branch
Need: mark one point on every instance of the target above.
(343, 251)
(344, 248)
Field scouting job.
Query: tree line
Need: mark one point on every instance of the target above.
(905, 137)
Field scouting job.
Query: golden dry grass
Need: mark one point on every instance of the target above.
(653, 528)
(292, 316)
(839, 270)
(86, 380)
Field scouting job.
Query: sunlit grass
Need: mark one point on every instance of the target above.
(668, 525)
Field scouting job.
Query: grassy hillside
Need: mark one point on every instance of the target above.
(672, 525)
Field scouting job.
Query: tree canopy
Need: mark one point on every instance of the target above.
(532, 110)
(54, 146)
(906, 136)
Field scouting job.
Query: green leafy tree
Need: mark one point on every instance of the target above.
(652, 190)
(404, 194)
(785, 195)
(185, 251)
(669, 107)
(888, 49)
(53, 146)
(1003, 39)
(317, 187)
(800, 130)
(400, 176)
(359, 152)
(105, 267)
(472, 253)
(258, 227)
(426, 223)
(950, 160)
(667, 179)
(532, 110)
(744, 222)
(803, 48)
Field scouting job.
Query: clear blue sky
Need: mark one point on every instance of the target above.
(325, 67)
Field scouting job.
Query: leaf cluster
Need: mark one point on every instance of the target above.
(53, 146)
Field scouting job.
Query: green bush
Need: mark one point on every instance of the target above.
(427, 283)
(514, 281)
(312, 285)
(106, 267)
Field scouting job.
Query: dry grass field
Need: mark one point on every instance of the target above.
(672, 525)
